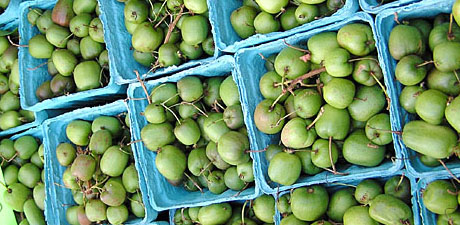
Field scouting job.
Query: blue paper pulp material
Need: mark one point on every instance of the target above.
(121, 51)
(374, 6)
(385, 23)
(11, 14)
(428, 217)
(58, 197)
(39, 118)
(332, 187)
(162, 195)
(227, 39)
(250, 68)
(30, 80)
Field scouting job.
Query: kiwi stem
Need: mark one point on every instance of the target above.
(60, 185)
(239, 192)
(14, 44)
(385, 131)
(242, 212)
(370, 145)
(263, 150)
(424, 64)
(173, 24)
(172, 112)
(35, 68)
(283, 118)
(194, 183)
(456, 76)
(263, 57)
(133, 142)
(36, 11)
(218, 104)
(365, 58)
(12, 158)
(9, 190)
(196, 107)
(330, 155)
(143, 86)
(277, 100)
(400, 182)
(204, 169)
(396, 19)
(296, 48)
(448, 170)
(310, 85)
(347, 185)
(303, 77)
(383, 89)
(321, 111)
(451, 19)
(170, 98)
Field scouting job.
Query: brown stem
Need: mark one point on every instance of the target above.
(396, 19)
(383, 89)
(143, 86)
(14, 44)
(293, 47)
(173, 25)
(194, 183)
(321, 111)
(424, 64)
(448, 170)
(298, 80)
(35, 68)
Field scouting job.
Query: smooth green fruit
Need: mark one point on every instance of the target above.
(268, 119)
(40, 48)
(171, 162)
(366, 71)
(232, 180)
(137, 207)
(87, 75)
(378, 129)
(83, 167)
(214, 126)
(408, 72)
(229, 92)
(399, 187)
(443, 81)
(357, 39)
(146, 38)
(333, 123)
(387, 209)
(100, 141)
(446, 56)
(306, 13)
(289, 65)
(245, 171)
(292, 220)
(320, 45)
(29, 175)
(452, 115)
(309, 203)
(337, 63)
(136, 11)
(57, 35)
(216, 182)
(79, 25)
(215, 214)
(95, 210)
(90, 49)
(339, 93)
(296, 135)
(78, 132)
(117, 214)
(195, 29)
(232, 147)
(25, 146)
(320, 154)
(243, 21)
(307, 103)
(265, 23)
(437, 198)
(10, 174)
(405, 40)
(96, 31)
(448, 219)
(16, 195)
(359, 150)
(130, 179)
(114, 193)
(367, 190)
(197, 162)
(214, 157)
(284, 168)
(272, 7)
(264, 208)
(430, 106)
(358, 215)
(33, 214)
(9, 101)
(408, 97)
(367, 102)
(114, 161)
(339, 203)
(64, 61)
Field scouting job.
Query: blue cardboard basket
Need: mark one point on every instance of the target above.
(227, 39)
(250, 68)
(374, 7)
(336, 186)
(162, 195)
(58, 197)
(11, 13)
(385, 23)
(121, 51)
(31, 80)
(428, 217)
